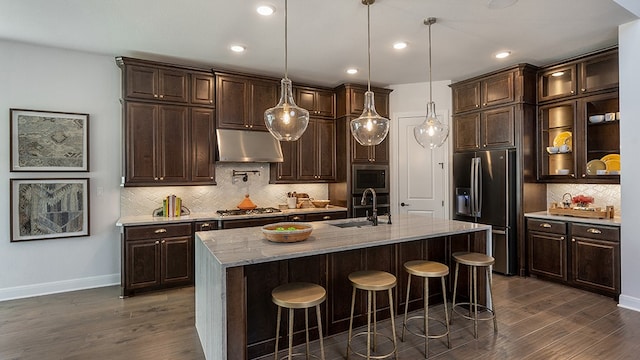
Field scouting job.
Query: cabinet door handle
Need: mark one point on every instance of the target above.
(155, 95)
(594, 231)
(326, 217)
(545, 225)
(573, 240)
(561, 237)
(163, 241)
(160, 231)
(296, 218)
(205, 226)
(155, 178)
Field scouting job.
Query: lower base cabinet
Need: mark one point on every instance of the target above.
(331, 271)
(590, 261)
(156, 256)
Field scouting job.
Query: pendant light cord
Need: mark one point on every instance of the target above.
(286, 65)
(430, 83)
(368, 46)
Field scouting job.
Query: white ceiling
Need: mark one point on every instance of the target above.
(325, 36)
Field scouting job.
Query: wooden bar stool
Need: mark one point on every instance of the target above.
(299, 296)
(426, 270)
(371, 281)
(474, 260)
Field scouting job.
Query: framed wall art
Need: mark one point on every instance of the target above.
(49, 141)
(49, 208)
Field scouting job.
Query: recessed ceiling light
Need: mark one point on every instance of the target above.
(265, 10)
(400, 45)
(352, 71)
(503, 54)
(557, 73)
(237, 48)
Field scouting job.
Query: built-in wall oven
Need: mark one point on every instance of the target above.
(370, 176)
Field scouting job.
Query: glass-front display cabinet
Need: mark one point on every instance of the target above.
(601, 155)
(556, 126)
(557, 82)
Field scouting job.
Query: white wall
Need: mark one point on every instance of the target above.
(629, 46)
(43, 78)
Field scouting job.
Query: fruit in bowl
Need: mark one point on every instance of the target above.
(320, 203)
(287, 231)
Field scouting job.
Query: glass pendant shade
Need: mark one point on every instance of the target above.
(370, 128)
(286, 121)
(431, 133)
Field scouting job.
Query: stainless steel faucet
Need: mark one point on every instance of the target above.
(374, 216)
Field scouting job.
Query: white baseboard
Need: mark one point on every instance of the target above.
(26, 291)
(629, 302)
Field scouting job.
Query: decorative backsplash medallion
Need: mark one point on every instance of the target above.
(227, 194)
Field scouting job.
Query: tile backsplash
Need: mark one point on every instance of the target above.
(603, 195)
(227, 194)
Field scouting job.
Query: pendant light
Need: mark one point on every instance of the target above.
(370, 128)
(286, 121)
(431, 133)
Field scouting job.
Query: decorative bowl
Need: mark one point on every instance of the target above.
(596, 118)
(552, 149)
(320, 203)
(287, 232)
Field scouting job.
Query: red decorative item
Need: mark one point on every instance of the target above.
(582, 201)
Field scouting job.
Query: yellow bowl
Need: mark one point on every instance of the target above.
(287, 231)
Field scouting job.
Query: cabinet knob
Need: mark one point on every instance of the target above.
(155, 178)
(246, 126)
(561, 237)
(584, 175)
(163, 241)
(485, 104)
(157, 242)
(155, 95)
(583, 90)
(594, 231)
(545, 225)
(210, 101)
(572, 92)
(573, 240)
(161, 96)
(296, 218)
(160, 231)
(211, 178)
(477, 105)
(161, 178)
(205, 226)
(326, 217)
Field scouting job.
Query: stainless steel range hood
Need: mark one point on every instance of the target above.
(248, 146)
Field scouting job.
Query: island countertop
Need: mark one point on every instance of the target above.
(227, 281)
(238, 247)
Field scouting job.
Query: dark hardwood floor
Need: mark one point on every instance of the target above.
(536, 320)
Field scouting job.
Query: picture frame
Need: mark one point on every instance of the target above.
(49, 141)
(44, 209)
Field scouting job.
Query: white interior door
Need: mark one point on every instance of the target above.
(422, 173)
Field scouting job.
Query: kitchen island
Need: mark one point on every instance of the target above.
(237, 268)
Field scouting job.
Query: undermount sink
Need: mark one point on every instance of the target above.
(359, 223)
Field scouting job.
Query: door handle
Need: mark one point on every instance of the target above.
(404, 204)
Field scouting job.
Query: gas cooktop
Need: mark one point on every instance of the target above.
(256, 211)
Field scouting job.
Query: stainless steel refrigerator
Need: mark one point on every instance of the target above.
(484, 183)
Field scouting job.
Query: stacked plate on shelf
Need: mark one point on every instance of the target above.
(608, 164)
(563, 138)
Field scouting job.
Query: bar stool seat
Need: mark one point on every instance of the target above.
(474, 260)
(426, 270)
(371, 281)
(299, 295)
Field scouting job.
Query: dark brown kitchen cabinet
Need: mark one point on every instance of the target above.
(318, 216)
(202, 89)
(157, 144)
(285, 172)
(590, 261)
(242, 101)
(595, 258)
(377, 154)
(547, 248)
(203, 145)
(587, 75)
(488, 129)
(154, 83)
(156, 257)
(317, 151)
(205, 225)
(240, 223)
(319, 103)
(350, 100)
(489, 91)
(466, 130)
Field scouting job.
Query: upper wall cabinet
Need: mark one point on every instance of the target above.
(493, 90)
(144, 82)
(242, 101)
(350, 100)
(319, 103)
(587, 75)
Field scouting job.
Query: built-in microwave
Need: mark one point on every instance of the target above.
(370, 176)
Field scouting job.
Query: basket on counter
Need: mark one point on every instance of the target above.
(287, 232)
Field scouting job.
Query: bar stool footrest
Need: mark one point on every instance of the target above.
(457, 309)
(286, 357)
(435, 336)
(384, 356)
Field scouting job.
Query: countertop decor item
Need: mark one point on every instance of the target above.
(582, 200)
(287, 232)
(320, 203)
(286, 121)
(431, 133)
(246, 204)
(369, 128)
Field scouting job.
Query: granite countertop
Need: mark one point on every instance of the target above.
(616, 221)
(208, 216)
(237, 247)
